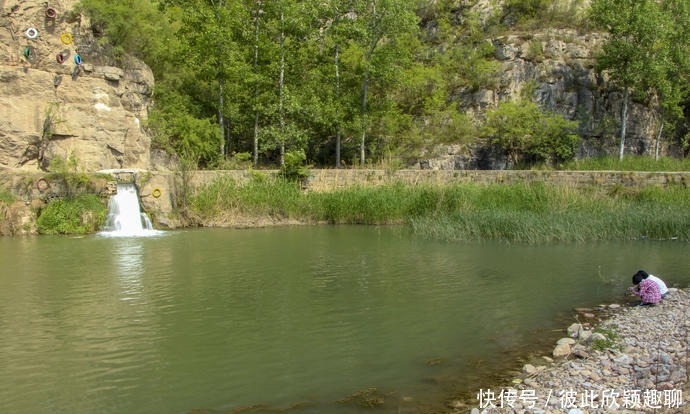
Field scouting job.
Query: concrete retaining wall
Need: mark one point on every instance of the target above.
(324, 180)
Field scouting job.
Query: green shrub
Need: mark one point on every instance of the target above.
(79, 215)
(6, 197)
(295, 167)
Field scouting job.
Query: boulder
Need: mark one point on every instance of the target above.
(561, 350)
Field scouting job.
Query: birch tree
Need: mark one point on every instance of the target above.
(633, 26)
(382, 24)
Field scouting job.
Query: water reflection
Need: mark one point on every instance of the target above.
(128, 262)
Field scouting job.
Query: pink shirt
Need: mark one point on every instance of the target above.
(649, 291)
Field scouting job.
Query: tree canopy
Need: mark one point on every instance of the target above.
(359, 81)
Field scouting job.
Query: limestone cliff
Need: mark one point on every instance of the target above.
(61, 95)
(556, 69)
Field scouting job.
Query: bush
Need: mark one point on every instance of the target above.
(79, 215)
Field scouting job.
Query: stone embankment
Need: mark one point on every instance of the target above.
(635, 361)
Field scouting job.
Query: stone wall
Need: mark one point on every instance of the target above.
(325, 180)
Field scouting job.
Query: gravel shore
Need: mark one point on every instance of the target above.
(634, 361)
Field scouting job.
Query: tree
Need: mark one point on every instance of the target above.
(669, 75)
(211, 30)
(635, 30)
(524, 133)
(382, 25)
(339, 18)
(289, 25)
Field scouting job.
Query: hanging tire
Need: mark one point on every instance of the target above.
(156, 192)
(51, 12)
(77, 59)
(31, 33)
(66, 38)
(60, 58)
(42, 184)
(29, 53)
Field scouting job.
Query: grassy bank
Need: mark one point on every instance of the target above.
(526, 212)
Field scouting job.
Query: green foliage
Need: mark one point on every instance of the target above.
(526, 134)
(647, 51)
(527, 9)
(610, 340)
(82, 214)
(346, 77)
(541, 213)
(67, 171)
(134, 27)
(294, 167)
(237, 161)
(6, 197)
(263, 196)
(530, 213)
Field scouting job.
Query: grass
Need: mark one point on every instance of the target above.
(531, 213)
(81, 214)
(610, 340)
(6, 197)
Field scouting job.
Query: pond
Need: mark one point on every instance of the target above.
(312, 319)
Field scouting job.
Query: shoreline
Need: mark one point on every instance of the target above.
(634, 360)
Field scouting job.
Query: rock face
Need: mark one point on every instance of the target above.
(556, 69)
(52, 107)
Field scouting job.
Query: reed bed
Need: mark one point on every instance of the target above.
(530, 212)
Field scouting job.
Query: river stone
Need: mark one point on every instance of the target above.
(567, 341)
(574, 330)
(585, 335)
(580, 351)
(596, 336)
(529, 369)
(561, 350)
(614, 306)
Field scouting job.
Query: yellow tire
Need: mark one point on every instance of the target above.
(66, 38)
(156, 192)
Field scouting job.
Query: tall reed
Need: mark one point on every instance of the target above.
(530, 212)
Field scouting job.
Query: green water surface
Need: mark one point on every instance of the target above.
(322, 319)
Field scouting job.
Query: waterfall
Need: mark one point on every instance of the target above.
(124, 215)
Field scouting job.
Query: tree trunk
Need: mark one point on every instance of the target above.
(362, 144)
(221, 121)
(658, 140)
(337, 108)
(624, 119)
(281, 83)
(256, 85)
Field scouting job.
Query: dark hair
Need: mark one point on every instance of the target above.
(639, 276)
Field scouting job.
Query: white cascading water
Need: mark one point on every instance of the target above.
(124, 215)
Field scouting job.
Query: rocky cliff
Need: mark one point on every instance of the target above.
(61, 96)
(556, 69)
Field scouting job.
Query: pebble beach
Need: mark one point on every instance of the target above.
(615, 358)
